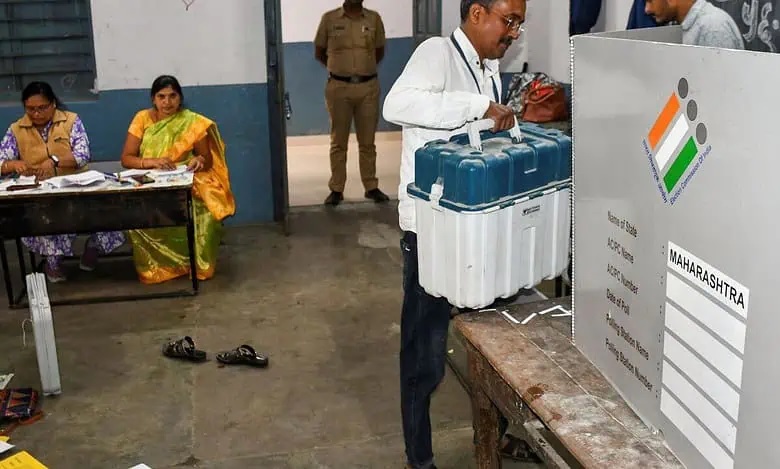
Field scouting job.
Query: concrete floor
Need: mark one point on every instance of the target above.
(308, 168)
(324, 304)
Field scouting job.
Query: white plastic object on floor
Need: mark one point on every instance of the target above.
(43, 328)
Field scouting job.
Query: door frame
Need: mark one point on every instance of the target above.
(278, 112)
(426, 20)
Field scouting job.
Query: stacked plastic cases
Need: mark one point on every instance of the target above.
(43, 328)
(493, 212)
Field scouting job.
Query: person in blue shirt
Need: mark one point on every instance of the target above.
(583, 16)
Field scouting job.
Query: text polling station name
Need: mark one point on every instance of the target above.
(726, 290)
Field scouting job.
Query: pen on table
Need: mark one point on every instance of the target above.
(116, 178)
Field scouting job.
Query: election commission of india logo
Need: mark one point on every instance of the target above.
(676, 145)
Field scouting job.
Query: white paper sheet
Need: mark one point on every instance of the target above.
(24, 180)
(181, 169)
(21, 180)
(133, 172)
(5, 447)
(5, 379)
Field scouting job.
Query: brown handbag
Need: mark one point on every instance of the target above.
(544, 102)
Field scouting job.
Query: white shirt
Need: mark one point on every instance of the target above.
(435, 96)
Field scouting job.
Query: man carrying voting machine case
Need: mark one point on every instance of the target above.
(447, 83)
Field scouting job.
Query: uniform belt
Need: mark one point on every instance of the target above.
(354, 78)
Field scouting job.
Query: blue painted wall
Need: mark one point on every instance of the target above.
(240, 111)
(305, 80)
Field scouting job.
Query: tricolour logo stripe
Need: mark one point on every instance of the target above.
(681, 162)
(676, 143)
(672, 141)
(663, 121)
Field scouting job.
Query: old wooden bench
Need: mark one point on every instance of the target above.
(534, 376)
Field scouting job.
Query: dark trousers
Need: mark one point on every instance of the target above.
(424, 327)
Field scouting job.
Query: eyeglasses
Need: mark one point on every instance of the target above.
(37, 109)
(511, 23)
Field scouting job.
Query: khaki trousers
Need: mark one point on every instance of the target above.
(346, 101)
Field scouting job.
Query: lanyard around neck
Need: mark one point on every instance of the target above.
(471, 70)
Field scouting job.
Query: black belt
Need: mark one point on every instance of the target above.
(354, 78)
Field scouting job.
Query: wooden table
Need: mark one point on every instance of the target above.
(536, 378)
(107, 206)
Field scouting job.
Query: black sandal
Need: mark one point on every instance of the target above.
(518, 450)
(184, 349)
(243, 355)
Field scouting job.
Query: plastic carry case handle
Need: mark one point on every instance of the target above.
(475, 128)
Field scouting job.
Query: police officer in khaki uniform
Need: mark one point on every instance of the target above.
(350, 42)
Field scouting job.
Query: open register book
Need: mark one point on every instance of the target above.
(76, 180)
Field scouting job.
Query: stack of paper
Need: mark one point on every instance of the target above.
(79, 179)
(153, 173)
(132, 172)
(181, 169)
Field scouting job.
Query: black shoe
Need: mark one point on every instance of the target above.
(334, 198)
(377, 196)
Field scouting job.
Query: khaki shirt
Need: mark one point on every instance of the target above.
(351, 43)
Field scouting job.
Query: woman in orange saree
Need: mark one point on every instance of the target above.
(164, 137)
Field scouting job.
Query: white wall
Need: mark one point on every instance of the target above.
(547, 26)
(613, 16)
(213, 42)
(301, 27)
(516, 56)
(450, 16)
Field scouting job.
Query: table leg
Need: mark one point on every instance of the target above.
(485, 415)
(191, 243)
(22, 265)
(18, 301)
(9, 288)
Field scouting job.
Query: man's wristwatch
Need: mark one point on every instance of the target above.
(55, 159)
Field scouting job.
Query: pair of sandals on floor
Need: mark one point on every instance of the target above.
(184, 349)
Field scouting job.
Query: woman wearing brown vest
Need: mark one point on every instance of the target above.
(50, 141)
